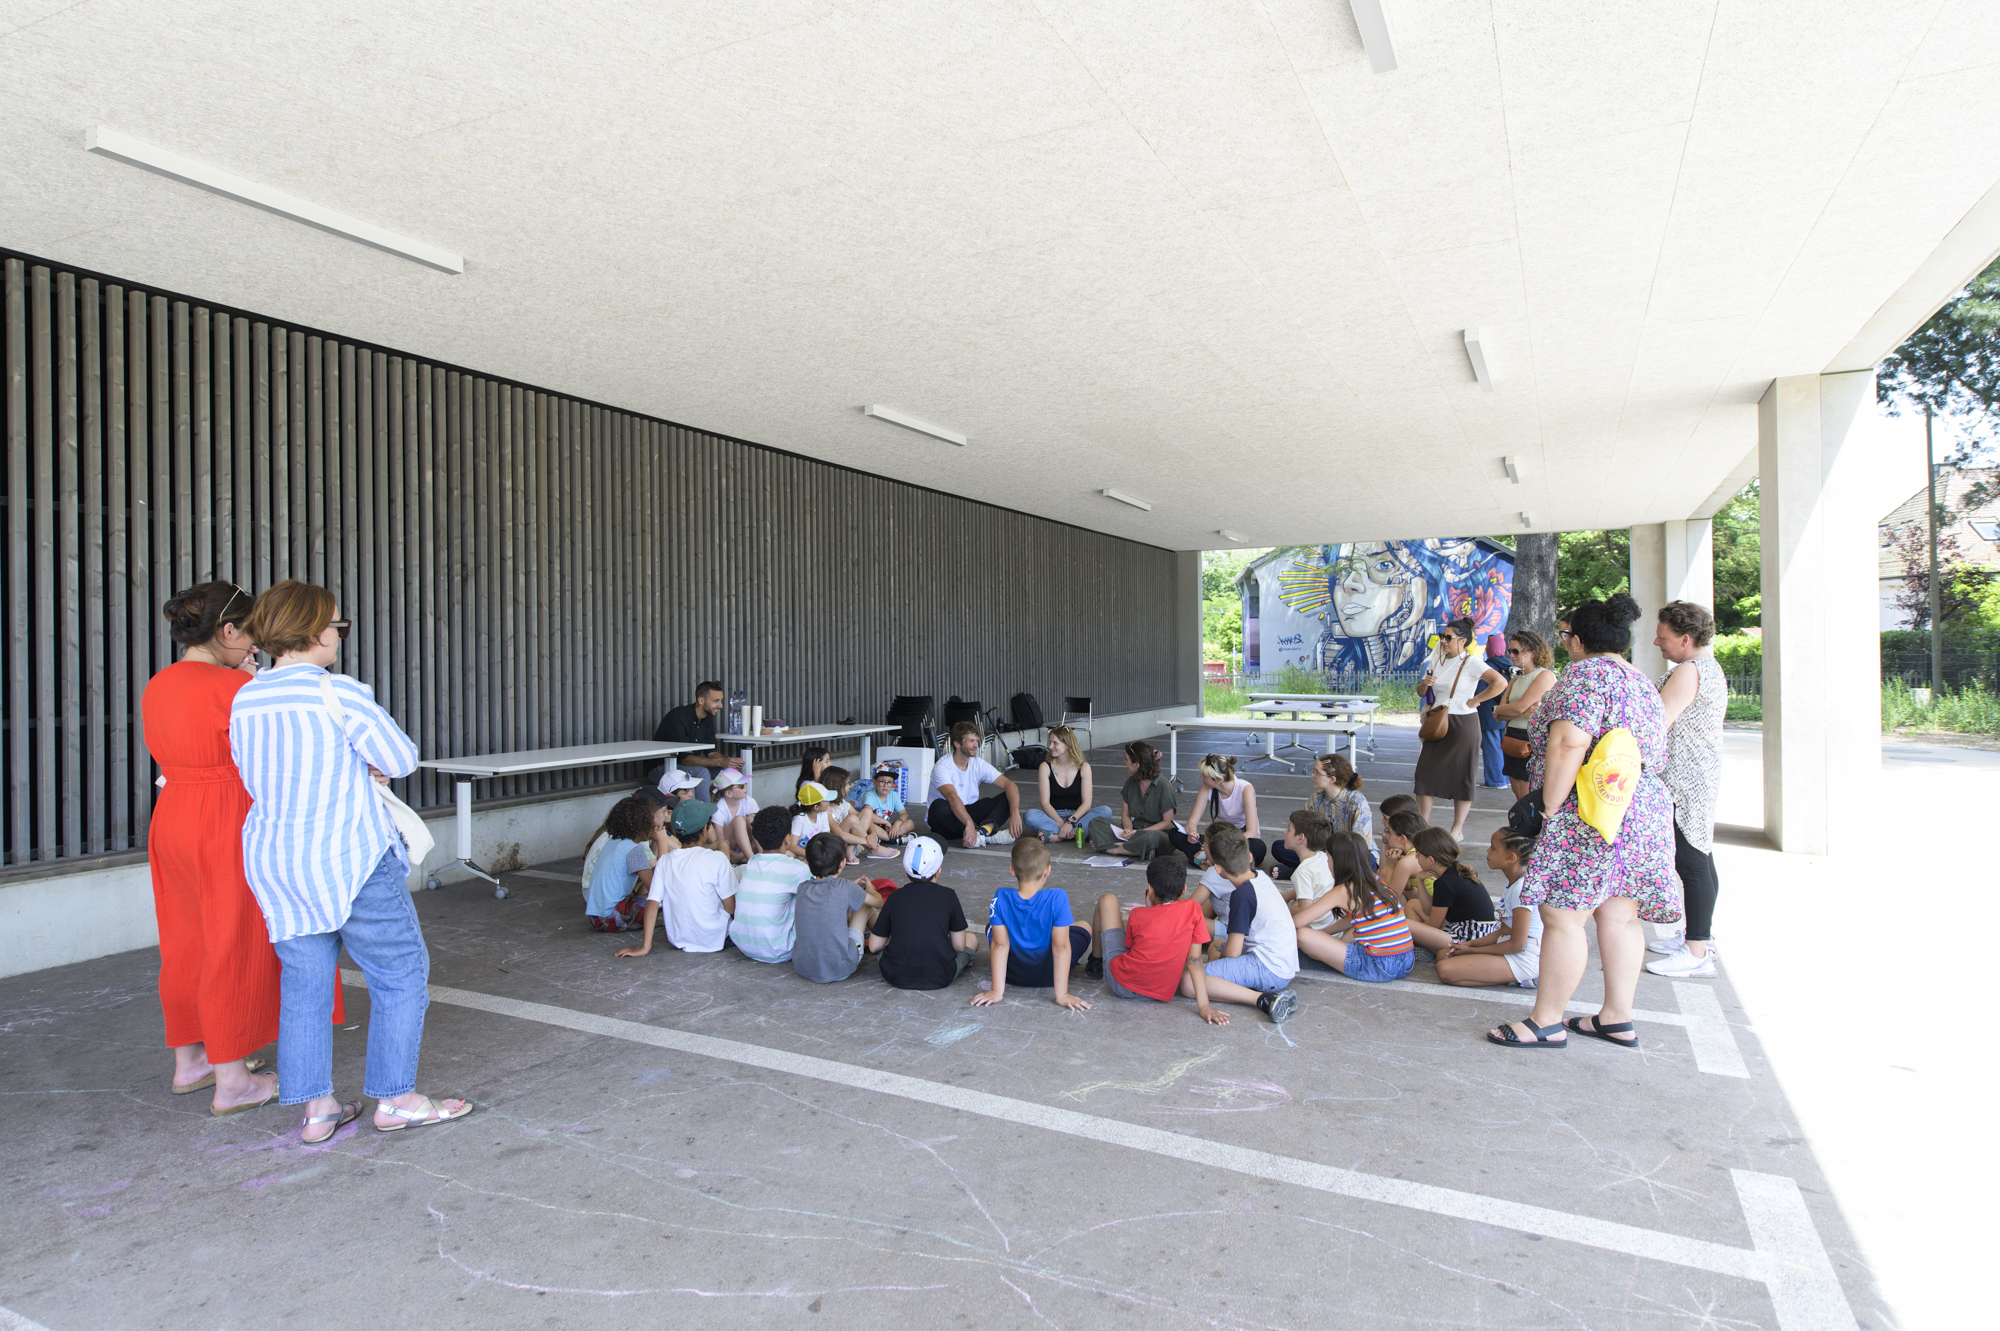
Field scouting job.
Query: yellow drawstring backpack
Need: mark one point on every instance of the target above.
(1605, 786)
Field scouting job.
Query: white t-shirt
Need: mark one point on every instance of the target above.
(1527, 963)
(1312, 880)
(724, 815)
(1454, 687)
(805, 826)
(691, 884)
(945, 772)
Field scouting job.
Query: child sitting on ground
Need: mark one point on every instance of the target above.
(1346, 864)
(1261, 956)
(1400, 872)
(1157, 949)
(762, 927)
(1307, 832)
(1033, 940)
(832, 915)
(1458, 909)
(921, 930)
(694, 887)
(613, 890)
(1373, 942)
(733, 811)
(854, 826)
(883, 803)
(1514, 954)
(811, 815)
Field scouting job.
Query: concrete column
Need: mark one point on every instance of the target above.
(1671, 561)
(1822, 670)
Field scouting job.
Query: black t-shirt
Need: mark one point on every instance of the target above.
(680, 727)
(1461, 898)
(918, 919)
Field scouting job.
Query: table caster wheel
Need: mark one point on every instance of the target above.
(431, 883)
(499, 894)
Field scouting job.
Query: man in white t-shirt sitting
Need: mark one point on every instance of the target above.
(956, 808)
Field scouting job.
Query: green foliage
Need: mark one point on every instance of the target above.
(1396, 695)
(1740, 654)
(1739, 574)
(1970, 711)
(1592, 565)
(1221, 603)
(1951, 366)
(1957, 638)
(1222, 699)
(1979, 593)
(1743, 707)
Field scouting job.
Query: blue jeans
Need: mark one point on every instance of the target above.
(1490, 756)
(382, 936)
(1035, 820)
(1247, 971)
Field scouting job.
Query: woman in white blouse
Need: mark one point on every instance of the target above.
(328, 867)
(1459, 682)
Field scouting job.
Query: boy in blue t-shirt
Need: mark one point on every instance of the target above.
(1033, 938)
(884, 803)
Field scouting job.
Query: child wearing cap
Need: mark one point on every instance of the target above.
(733, 811)
(693, 887)
(855, 827)
(921, 931)
(812, 811)
(1157, 950)
(883, 803)
(1033, 938)
(762, 927)
(832, 916)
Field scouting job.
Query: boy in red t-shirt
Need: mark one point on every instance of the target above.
(1160, 944)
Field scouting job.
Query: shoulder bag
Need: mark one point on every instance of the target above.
(1437, 721)
(415, 833)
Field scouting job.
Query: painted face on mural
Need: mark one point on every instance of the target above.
(1372, 589)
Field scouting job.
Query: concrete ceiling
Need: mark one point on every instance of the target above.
(1191, 249)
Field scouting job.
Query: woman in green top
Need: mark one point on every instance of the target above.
(1149, 807)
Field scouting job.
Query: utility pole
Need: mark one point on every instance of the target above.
(1937, 629)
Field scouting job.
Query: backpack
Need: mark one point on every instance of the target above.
(1027, 712)
(1605, 786)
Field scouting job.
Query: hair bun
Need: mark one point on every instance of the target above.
(1620, 608)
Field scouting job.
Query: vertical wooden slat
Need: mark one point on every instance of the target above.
(41, 468)
(68, 678)
(248, 420)
(95, 642)
(20, 774)
(118, 697)
(268, 420)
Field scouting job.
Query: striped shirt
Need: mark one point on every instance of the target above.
(765, 897)
(317, 829)
(1384, 931)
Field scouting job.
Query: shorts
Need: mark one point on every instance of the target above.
(1527, 967)
(1464, 931)
(1248, 972)
(1516, 768)
(1041, 973)
(1114, 946)
(1365, 965)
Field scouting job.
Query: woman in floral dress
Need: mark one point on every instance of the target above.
(1576, 874)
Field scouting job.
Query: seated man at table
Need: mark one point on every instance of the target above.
(694, 723)
(956, 810)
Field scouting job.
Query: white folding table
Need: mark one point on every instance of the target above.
(1336, 706)
(1333, 730)
(810, 735)
(465, 771)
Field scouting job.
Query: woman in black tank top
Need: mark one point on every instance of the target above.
(1065, 807)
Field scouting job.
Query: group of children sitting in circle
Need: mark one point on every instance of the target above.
(768, 881)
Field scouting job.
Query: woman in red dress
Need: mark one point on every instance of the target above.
(218, 972)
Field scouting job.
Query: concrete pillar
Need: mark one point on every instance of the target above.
(1671, 561)
(1822, 668)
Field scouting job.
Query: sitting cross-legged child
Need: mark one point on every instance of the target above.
(1261, 954)
(1514, 954)
(1347, 863)
(733, 811)
(1155, 950)
(1307, 832)
(1033, 939)
(615, 886)
(855, 827)
(693, 887)
(921, 931)
(883, 803)
(1400, 872)
(831, 915)
(1458, 909)
(1373, 942)
(762, 926)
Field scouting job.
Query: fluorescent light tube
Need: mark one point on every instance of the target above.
(909, 422)
(1124, 498)
(110, 143)
(1235, 536)
(1372, 18)
(1475, 351)
(1513, 466)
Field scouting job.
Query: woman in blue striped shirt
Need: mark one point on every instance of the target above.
(327, 866)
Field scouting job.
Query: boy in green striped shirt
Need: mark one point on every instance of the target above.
(767, 891)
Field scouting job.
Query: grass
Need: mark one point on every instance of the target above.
(1969, 711)
(1397, 695)
(1744, 707)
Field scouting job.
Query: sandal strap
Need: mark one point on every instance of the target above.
(384, 1107)
(1615, 1028)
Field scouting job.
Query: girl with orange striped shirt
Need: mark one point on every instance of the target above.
(1373, 943)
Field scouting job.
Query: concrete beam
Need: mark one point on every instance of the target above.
(1822, 718)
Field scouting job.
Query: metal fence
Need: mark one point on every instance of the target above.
(1961, 670)
(524, 569)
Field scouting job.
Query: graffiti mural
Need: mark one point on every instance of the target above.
(1370, 606)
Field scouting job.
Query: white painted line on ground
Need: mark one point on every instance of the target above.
(13, 1321)
(1708, 1030)
(1784, 1236)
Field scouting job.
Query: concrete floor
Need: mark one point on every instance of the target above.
(717, 1142)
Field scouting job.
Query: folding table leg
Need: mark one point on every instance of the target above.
(463, 792)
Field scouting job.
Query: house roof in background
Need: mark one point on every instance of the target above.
(1975, 547)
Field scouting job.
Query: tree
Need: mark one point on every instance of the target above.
(1962, 585)
(1221, 602)
(1951, 368)
(1733, 535)
(1534, 598)
(1592, 565)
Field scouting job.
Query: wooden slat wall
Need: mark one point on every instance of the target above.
(524, 569)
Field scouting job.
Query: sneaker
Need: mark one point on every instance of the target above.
(1094, 968)
(1280, 1006)
(1001, 837)
(1685, 965)
(1669, 945)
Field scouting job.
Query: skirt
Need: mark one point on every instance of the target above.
(1444, 768)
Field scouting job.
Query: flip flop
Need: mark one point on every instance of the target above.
(340, 1118)
(249, 1065)
(213, 1112)
(1604, 1033)
(418, 1118)
(1512, 1040)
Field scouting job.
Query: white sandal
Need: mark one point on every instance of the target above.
(431, 1113)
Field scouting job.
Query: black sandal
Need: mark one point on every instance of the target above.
(1509, 1039)
(1598, 1031)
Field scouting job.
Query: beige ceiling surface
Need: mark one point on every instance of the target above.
(1191, 249)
